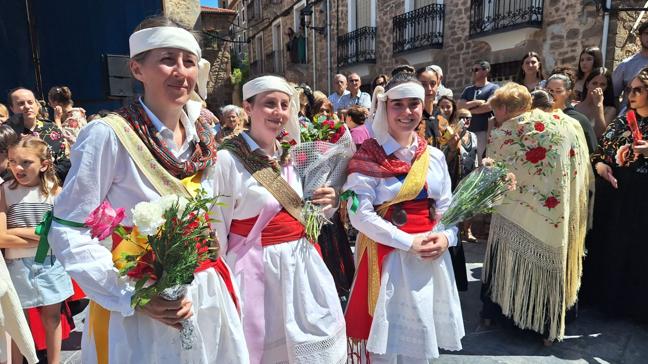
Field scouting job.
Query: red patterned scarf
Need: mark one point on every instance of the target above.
(204, 151)
(371, 160)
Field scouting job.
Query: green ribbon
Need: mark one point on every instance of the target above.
(354, 199)
(43, 229)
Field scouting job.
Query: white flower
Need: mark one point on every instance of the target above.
(166, 202)
(147, 217)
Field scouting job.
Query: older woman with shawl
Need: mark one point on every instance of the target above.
(158, 145)
(534, 255)
(404, 304)
(291, 312)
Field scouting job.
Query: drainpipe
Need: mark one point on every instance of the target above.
(328, 47)
(606, 28)
(314, 23)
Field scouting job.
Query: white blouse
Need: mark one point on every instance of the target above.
(103, 170)
(374, 191)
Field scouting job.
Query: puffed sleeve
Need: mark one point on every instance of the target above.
(227, 184)
(94, 159)
(367, 221)
(438, 171)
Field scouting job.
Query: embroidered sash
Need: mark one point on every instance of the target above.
(369, 250)
(267, 177)
(165, 184)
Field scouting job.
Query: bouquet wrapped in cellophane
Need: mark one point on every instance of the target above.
(321, 160)
(478, 193)
(169, 239)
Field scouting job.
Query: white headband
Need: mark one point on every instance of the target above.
(403, 91)
(171, 37)
(274, 83)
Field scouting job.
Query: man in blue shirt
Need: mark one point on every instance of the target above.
(475, 98)
(355, 96)
(340, 84)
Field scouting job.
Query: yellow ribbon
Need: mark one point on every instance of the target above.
(412, 186)
(135, 244)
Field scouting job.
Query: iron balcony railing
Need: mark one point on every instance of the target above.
(358, 46)
(421, 28)
(492, 16)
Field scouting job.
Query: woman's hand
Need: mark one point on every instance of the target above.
(168, 312)
(597, 96)
(640, 147)
(453, 143)
(605, 172)
(430, 246)
(58, 115)
(325, 196)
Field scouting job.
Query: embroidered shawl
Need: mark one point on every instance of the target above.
(535, 249)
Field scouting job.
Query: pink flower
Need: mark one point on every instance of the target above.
(103, 220)
(330, 123)
(55, 135)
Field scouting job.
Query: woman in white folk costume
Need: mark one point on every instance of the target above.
(158, 145)
(291, 311)
(404, 303)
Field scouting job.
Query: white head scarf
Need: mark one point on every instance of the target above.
(274, 83)
(403, 91)
(171, 37)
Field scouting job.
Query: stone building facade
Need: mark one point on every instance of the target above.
(214, 25)
(470, 30)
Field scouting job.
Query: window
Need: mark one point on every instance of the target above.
(363, 14)
(277, 48)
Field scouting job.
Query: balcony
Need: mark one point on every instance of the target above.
(492, 16)
(419, 29)
(358, 46)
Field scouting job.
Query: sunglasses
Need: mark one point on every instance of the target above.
(354, 81)
(475, 70)
(635, 90)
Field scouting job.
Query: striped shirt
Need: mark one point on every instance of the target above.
(26, 206)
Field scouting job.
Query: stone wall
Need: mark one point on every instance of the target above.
(568, 27)
(186, 12)
(622, 43)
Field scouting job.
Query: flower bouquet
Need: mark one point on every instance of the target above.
(478, 193)
(321, 160)
(171, 237)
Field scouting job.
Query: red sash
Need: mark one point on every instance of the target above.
(218, 265)
(357, 316)
(282, 228)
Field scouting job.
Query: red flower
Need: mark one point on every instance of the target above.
(338, 134)
(536, 154)
(55, 135)
(144, 267)
(329, 123)
(300, 158)
(551, 202)
(572, 153)
(202, 248)
(539, 126)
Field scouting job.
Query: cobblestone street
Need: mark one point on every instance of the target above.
(590, 339)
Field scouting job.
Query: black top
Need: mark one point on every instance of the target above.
(590, 136)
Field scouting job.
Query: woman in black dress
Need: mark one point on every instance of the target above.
(613, 278)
